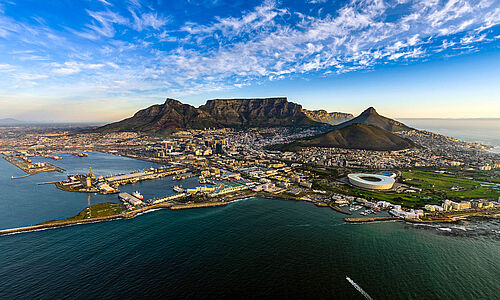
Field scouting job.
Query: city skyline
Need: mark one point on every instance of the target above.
(100, 61)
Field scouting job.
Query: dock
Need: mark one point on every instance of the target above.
(30, 168)
(144, 175)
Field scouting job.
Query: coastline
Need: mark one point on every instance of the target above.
(52, 224)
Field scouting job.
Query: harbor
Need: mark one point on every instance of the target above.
(90, 183)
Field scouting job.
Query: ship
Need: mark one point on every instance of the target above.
(138, 195)
(178, 188)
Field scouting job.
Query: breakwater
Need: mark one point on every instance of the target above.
(374, 219)
(197, 205)
(338, 209)
(56, 224)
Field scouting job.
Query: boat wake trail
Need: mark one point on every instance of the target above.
(358, 288)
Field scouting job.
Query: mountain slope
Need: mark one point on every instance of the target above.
(371, 117)
(163, 118)
(354, 136)
(10, 121)
(217, 113)
(323, 116)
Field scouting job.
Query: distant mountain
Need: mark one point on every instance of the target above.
(323, 116)
(11, 121)
(354, 136)
(371, 117)
(217, 113)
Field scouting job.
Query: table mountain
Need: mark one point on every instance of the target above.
(217, 113)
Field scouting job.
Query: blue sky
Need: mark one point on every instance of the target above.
(101, 60)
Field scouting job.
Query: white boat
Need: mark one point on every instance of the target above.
(355, 208)
(178, 189)
(138, 195)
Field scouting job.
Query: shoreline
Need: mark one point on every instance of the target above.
(53, 224)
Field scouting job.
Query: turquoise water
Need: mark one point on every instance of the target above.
(256, 248)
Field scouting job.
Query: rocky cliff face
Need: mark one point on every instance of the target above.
(257, 112)
(217, 113)
(323, 116)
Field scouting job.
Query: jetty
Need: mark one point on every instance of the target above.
(57, 224)
(197, 205)
(22, 176)
(374, 219)
(338, 209)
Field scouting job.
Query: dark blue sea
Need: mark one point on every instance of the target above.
(253, 249)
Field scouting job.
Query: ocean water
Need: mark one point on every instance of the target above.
(256, 248)
(485, 131)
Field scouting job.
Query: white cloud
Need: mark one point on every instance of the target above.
(105, 2)
(71, 67)
(145, 20)
(137, 54)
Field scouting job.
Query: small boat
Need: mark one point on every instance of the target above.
(178, 189)
(355, 208)
(138, 195)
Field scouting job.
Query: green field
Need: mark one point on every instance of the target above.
(94, 211)
(441, 184)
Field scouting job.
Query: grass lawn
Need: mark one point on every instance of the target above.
(94, 211)
(431, 180)
(441, 184)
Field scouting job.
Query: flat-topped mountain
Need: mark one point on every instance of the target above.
(354, 136)
(217, 113)
(262, 112)
(323, 116)
(371, 117)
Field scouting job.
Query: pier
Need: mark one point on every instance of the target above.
(27, 166)
(144, 175)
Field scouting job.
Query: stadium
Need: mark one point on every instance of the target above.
(371, 181)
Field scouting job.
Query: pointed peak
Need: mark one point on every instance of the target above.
(370, 111)
(172, 101)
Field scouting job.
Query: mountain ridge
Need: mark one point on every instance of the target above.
(215, 113)
(323, 116)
